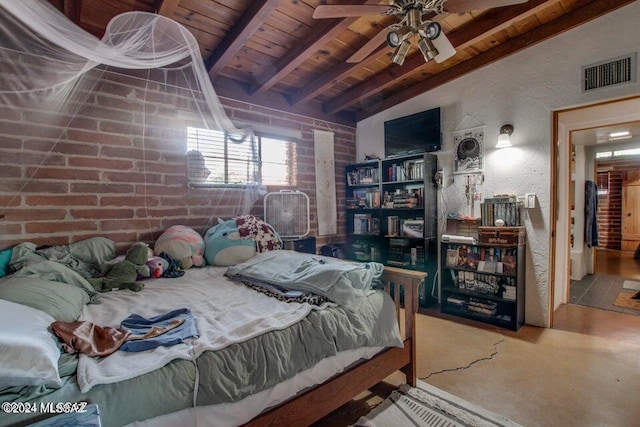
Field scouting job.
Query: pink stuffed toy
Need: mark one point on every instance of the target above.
(183, 244)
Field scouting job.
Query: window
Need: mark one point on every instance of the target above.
(214, 158)
(602, 182)
(618, 153)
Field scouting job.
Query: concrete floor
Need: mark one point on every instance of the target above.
(584, 372)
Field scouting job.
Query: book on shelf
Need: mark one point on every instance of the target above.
(413, 228)
(363, 176)
(472, 260)
(509, 292)
(509, 264)
(452, 258)
(490, 265)
(393, 225)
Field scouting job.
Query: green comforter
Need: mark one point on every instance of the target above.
(229, 374)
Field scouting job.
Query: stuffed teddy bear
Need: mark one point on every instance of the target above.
(123, 274)
(182, 243)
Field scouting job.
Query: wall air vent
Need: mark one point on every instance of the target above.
(609, 73)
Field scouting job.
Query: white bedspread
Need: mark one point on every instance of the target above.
(226, 312)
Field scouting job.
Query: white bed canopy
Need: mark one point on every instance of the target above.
(49, 62)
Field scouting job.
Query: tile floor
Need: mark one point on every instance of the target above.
(599, 291)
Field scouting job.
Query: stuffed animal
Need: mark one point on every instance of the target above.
(236, 240)
(123, 275)
(182, 243)
(157, 266)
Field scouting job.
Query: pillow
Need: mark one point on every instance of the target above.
(29, 351)
(61, 301)
(56, 272)
(94, 250)
(5, 257)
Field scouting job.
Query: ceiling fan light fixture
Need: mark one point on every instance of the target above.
(432, 30)
(397, 34)
(401, 52)
(427, 48)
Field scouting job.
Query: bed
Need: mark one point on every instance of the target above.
(316, 357)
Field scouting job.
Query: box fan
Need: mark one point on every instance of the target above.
(287, 212)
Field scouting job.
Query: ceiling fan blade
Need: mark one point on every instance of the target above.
(468, 5)
(344, 11)
(368, 47)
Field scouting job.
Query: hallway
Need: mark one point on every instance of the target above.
(600, 290)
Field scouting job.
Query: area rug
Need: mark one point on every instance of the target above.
(425, 406)
(625, 300)
(631, 284)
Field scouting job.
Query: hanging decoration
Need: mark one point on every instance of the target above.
(468, 141)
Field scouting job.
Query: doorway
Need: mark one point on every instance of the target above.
(566, 123)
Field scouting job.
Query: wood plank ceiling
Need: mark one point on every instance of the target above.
(273, 53)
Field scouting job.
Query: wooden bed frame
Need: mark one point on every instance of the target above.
(317, 402)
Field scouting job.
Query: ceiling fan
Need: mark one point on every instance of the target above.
(416, 23)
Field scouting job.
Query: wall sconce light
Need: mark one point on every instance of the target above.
(503, 139)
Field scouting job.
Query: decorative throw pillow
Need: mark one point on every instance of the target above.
(5, 257)
(61, 301)
(29, 351)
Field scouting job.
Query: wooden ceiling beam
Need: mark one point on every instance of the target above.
(546, 31)
(72, 10)
(323, 32)
(244, 28)
(166, 7)
(490, 22)
(237, 91)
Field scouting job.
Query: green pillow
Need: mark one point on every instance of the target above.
(61, 301)
(56, 272)
(94, 250)
(5, 257)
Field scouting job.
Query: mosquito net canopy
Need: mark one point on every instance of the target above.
(145, 79)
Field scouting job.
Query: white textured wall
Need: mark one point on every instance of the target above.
(523, 90)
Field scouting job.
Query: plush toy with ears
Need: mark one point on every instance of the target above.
(124, 274)
(182, 243)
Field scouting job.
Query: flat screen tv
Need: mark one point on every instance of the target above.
(417, 133)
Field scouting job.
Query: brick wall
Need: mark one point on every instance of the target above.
(105, 177)
(610, 204)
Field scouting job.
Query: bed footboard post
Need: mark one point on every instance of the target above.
(409, 281)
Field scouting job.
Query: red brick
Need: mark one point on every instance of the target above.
(102, 213)
(100, 188)
(33, 214)
(57, 227)
(101, 163)
(67, 200)
(22, 158)
(102, 138)
(64, 174)
(129, 153)
(43, 187)
(10, 172)
(129, 224)
(10, 200)
(10, 143)
(131, 201)
(160, 213)
(150, 178)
